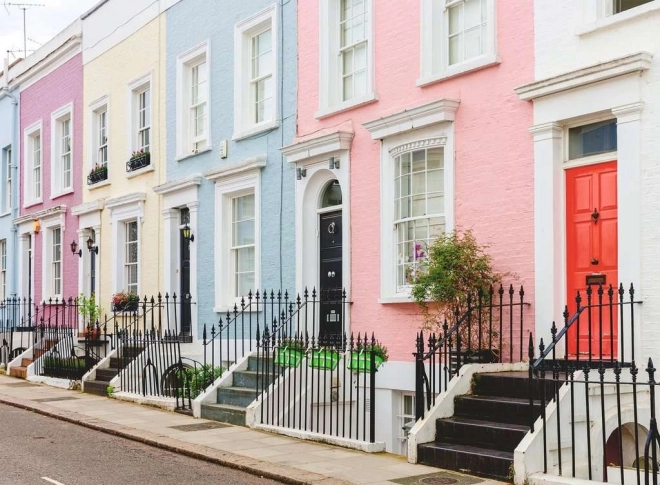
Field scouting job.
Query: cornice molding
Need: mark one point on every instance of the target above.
(238, 168)
(70, 48)
(416, 145)
(42, 214)
(318, 146)
(603, 71)
(127, 199)
(413, 118)
(87, 208)
(178, 185)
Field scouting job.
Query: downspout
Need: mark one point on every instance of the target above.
(14, 179)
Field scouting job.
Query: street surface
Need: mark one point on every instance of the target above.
(38, 450)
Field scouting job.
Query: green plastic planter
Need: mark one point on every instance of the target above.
(324, 359)
(361, 361)
(289, 357)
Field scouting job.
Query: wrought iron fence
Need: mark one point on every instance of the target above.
(58, 352)
(490, 329)
(156, 314)
(324, 386)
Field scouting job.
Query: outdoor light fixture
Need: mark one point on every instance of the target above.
(75, 250)
(333, 163)
(300, 173)
(187, 233)
(91, 247)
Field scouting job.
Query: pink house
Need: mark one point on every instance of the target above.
(51, 121)
(408, 125)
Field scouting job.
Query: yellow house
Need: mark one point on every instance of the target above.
(124, 148)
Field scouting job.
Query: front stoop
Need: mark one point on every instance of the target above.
(99, 386)
(486, 428)
(20, 371)
(232, 402)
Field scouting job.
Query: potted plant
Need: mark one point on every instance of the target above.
(290, 352)
(125, 302)
(139, 159)
(360, 356)
(324, 358)
(97, 174)
(455, 272)
(90, 313)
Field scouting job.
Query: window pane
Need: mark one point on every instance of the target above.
(332, 195)
(455, 19)
(472, 13)
(473, 43)
(435, 181)
(455, 49)
(592, 139)
(435, 158)
(623, 5)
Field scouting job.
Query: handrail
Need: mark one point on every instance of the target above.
(558, 336)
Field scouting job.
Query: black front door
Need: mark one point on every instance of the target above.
(29, 271)
(331, 310)
(92, 267)
(186, 317)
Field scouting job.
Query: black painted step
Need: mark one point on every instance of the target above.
(100, 388)
(495, 408)
(482, 462)
(510, 384)
(106, 375)
(477, 432)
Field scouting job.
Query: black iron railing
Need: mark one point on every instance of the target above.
(326, 387)
(490, 329)
(59, 353)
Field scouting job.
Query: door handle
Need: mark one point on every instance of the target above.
(594, 261)
(594, 215)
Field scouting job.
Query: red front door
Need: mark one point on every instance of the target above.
(591, 253)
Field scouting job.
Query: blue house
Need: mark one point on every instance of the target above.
(228, 202)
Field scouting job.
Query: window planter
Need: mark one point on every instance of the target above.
(289, 357)
(138, 161)
(361, 361)
(129, 306)
(98, 175)
(324, 359)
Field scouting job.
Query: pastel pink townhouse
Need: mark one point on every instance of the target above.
(409, 126)
(51, 120)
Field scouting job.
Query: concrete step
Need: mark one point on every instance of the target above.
(100, 388)
(224, 413)
(26, 362)
(106, 375)
(18, 371)
(236, 396)
(248, 379)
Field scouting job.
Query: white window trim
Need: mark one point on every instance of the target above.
(597, 15)
(243, 33)
(124, 247)
(47, 226)
(434, 47)
(101, 104)
(135, 87)
(120, 214)
(184, 63)
(7, 156)
(3, 269)
(30, 131)
(225, 189)
(56, 118)
(441, 135)
(329, 76)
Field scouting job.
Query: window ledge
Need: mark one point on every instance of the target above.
(612, 20)
(135, 173)
(98, 184)
(61, 194)
(346, 105)
(460, 69)
(255, 129)
(388, 300)
(5, 214)
(181, 158)
(31, 203)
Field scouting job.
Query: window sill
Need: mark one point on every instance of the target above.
(5, 214)
(181, 158)
(255, 129)
(394, 299)
(345, 106)
(612, 20)
(31, 203)
(460, 69)
(98, 184)
(61, 194)
(140, 171)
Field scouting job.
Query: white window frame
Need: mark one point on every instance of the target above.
(330, 76)
(440, 135)
(404, 418)
(135, 89)
(30, 133)
(3, 269)
(57, 180)
(7, 161)
(121, 212)
(185, 145)
(244, 32)
(598, 14)
(48, 227)
(434, 42)
(226, 189)
(125, 263)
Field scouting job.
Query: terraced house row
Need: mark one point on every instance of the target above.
(270, 171)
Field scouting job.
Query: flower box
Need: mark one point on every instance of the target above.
(361, 361)
(97, 175)
(324, 359)
(289, 357)
(138, 161)
(129, 306)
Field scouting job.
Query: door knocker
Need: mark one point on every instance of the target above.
(331, 228)
(594, 215)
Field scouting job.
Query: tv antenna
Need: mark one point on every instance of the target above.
(24, 7)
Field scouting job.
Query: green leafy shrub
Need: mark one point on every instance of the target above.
(88, 309)
(198, 379)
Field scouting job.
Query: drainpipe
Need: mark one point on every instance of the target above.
(14, 178)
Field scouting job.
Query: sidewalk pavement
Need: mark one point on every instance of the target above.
(288, 460)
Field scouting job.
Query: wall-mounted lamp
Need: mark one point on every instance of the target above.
(333, 163)
(91, 247)
(36, 226)
(75, 250)
(300, 173)
(187, 234)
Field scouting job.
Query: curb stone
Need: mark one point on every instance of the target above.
(253, 466)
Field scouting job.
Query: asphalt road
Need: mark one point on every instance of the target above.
(38, 450)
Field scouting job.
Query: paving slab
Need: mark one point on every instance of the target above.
(286, 459)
